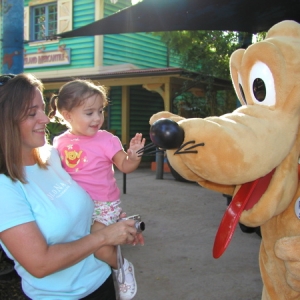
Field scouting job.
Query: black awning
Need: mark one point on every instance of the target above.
(168, 15)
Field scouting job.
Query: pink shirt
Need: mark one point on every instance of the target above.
(88, 159)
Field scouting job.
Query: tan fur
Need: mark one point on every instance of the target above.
(250, 142)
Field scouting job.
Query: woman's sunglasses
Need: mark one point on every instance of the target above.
(5, 78)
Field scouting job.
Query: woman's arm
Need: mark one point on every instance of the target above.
(28, 246)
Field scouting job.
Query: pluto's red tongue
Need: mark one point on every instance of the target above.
(248, 194)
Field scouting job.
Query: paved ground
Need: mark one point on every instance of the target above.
(176, 262)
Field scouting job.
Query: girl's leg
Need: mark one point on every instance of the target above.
(106, 213)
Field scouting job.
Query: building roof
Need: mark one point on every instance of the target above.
(194, 77)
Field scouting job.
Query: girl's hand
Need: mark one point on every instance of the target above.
(136, 143)
(139, 240)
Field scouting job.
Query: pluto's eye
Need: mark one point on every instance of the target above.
(259, 89)
(262, 87)
(242, 90)
(242, 93)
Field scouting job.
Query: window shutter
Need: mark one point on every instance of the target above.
(64, 15)
(26, 23)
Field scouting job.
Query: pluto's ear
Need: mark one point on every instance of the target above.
(235, 64)
(286, 28)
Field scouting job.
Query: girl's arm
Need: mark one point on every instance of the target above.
(128, 162)
(28, 246)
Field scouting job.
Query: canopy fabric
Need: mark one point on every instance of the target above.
(168, 15)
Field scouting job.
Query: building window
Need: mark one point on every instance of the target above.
(48, 18)
(44, 21)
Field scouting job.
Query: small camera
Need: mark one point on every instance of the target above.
(139, 224)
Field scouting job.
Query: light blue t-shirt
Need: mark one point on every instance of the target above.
(62, 211)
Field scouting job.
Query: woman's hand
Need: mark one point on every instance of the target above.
(120, 233)
(139, 238)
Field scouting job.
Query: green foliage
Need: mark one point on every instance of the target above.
(205, 51)
(214, 103)
(208, 53)
(261, 36)
(55, 128)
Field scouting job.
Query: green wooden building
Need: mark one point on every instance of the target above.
(141, 75)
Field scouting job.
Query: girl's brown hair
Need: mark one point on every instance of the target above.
(73, 94)
(16, 95)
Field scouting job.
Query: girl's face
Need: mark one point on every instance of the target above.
(87, 118)
(33, 127)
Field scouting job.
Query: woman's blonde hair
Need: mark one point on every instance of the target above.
(16, 95)
(73, 94)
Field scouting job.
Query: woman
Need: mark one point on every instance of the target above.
(45, 217)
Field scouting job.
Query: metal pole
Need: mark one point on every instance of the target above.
(124, 183)
(159, 165)
(124, 175)
(13, 36)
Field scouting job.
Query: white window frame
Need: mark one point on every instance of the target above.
(64, 17)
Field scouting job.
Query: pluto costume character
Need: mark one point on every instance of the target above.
(252, 154)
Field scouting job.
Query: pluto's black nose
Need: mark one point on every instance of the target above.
(166, 134)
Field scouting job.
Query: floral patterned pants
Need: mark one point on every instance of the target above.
(107, 212)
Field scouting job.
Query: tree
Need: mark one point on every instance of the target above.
(208, 53)
(204, 51)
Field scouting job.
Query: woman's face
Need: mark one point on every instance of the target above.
(33, 127)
